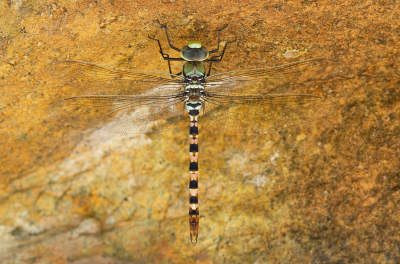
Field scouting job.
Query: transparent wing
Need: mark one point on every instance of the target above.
(89, 78)
(278, 78)
(121, 114)
(253, 113)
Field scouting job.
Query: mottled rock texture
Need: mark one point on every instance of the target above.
(326, 192)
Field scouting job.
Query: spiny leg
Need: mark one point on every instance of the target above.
(217, 58)
(166, 33)
(165, 55)
(209, 69)
(217, 49)
(193, 180)
(219, 41)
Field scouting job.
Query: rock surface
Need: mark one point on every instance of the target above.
(325, 192)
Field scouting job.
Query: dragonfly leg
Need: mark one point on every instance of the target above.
(219, 41)
(165, 55)
(218, 58)
(209, 69)
(166, 33)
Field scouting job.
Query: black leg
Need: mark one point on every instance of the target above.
(169, 67)
(217, 58)
(166, 33)
(219, 33)
(209, 69)
(220, 56)
(166, 56)
(170, 72)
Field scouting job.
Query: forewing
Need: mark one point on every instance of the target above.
(277, 79)
(121, 114)
(92, 79)
(254, 113)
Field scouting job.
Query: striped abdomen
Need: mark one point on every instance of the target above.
(193, 106)
(193, 180)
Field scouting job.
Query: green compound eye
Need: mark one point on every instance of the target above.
(194, 44)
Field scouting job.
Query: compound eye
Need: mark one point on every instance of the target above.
(202, 53)
(192, 53)
(187, 53)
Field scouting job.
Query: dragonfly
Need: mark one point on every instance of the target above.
(134, 101)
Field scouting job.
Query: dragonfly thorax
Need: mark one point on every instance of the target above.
(194, 72)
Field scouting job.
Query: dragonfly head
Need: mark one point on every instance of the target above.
(194, 51)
